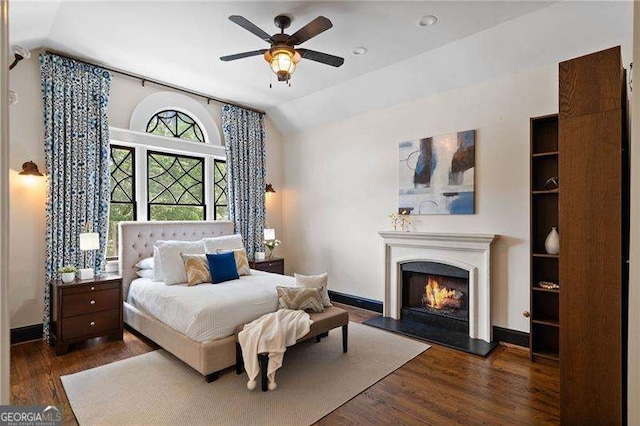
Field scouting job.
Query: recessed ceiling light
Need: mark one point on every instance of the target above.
(360, 50)
(426, 21)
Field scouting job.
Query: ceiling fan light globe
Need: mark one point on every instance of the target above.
(283, 61)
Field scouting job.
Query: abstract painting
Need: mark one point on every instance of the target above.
(437, 174)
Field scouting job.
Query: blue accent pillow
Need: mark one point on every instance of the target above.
(222, 267)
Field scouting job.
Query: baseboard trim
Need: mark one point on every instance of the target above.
(514, 337)
(360, 302)
(26, 334)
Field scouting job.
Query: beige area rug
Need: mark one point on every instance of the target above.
(316, 378)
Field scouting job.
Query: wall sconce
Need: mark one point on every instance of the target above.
(30, 171)
(269, 189)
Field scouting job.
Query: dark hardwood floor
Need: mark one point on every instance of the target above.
(441, 386)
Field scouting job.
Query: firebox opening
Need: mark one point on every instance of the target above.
(436, 294)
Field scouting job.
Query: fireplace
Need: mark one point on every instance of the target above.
(436, 294)
(437, 287)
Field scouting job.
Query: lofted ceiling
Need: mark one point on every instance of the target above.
(180, 42)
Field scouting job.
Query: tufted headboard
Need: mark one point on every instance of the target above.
(136, 240)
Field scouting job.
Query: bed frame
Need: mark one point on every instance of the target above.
(136, 241)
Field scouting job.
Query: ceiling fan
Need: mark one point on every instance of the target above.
(283, 56)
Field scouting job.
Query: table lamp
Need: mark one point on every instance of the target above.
(269, 234)
(88, 241)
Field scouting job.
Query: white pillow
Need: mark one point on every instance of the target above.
(145, 263)
(315, 281)
(227, 242)
(145, 273)
(173, 271)
(157, 270)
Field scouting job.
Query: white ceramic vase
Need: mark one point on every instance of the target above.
(68, 277)
(552, 243)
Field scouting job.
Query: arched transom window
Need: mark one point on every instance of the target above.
(175, 124)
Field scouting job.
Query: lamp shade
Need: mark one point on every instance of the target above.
(89, 241)
(269, 234)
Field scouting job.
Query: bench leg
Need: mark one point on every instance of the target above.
(321, 336)
(264, 364)
(345, 338)
(239, 360)
(212, 377)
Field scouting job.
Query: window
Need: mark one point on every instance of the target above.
(123, 197)
(183, 178)
(175, 124)
(175, 187)
(220, 203)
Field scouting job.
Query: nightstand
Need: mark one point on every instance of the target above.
(85, 309)
(274, 265)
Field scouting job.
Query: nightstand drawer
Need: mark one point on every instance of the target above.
(93, 301)
(85, 325)
(275, 267)
(88, 288)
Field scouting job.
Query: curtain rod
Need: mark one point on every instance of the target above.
(144, 80)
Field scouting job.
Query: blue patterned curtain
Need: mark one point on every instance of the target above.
(76, 140)
(244, 136)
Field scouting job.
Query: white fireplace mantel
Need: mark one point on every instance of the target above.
(471, 252)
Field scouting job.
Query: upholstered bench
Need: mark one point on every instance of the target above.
(332, 317)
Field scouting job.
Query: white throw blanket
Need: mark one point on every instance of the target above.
(271, 333)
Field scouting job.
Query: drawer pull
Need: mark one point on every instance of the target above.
(92, 323)
(93, 288)
(93, 302)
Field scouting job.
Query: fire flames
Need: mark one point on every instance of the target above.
(441, 298)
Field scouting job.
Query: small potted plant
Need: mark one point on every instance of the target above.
(270, 245)
(68, 274)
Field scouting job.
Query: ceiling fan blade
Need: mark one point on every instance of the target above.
(243, 55)
(312, 29)
(250, 26)
(323, 58)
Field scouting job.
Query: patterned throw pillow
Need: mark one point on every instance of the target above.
(307, 299)
(242, 261)
(316, 281)
(197, 267)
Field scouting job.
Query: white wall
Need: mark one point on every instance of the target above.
(634, 280)
(28, 201)
(27, 216)
(341, 183)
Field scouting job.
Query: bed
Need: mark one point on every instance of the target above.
(196, 324)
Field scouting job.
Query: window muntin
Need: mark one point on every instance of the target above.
(122, 205)
(175, 124)
(175, 187)
(220, 199)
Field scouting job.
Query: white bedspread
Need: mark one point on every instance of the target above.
(207, 312)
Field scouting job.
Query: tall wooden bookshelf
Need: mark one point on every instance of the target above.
(544, 311)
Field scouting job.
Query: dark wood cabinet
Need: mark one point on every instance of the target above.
(274, 265)
(85, 309)
(593, 226)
